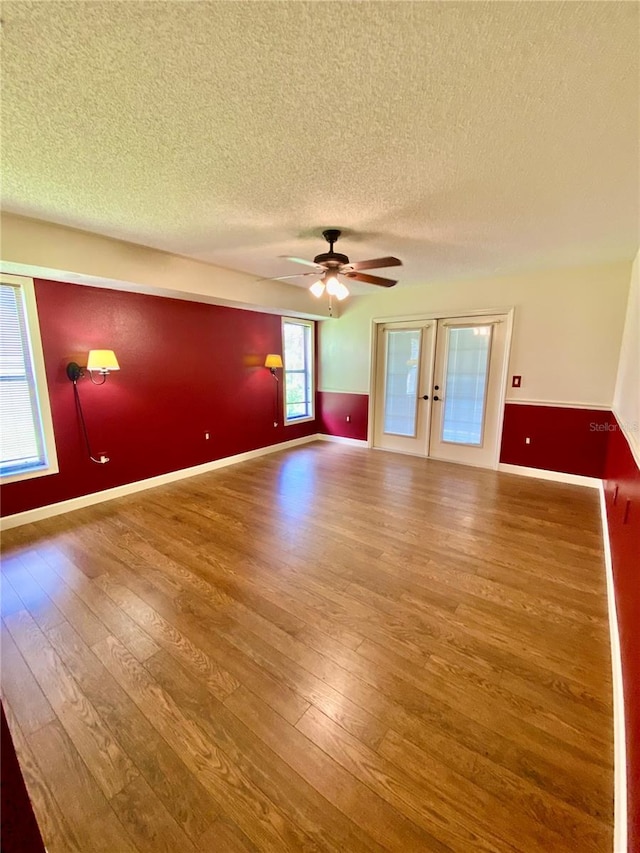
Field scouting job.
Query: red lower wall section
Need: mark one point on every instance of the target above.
(186, 369)
(622, 491)
(570, 440)
(333, 410)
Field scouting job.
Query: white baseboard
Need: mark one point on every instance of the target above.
(619, 737)
(339, 439)
(556, 476)
(72, 504)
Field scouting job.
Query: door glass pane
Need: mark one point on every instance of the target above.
(401, 381)
(466, 384)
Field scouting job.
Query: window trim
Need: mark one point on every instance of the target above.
(40, 377)
(312, 368)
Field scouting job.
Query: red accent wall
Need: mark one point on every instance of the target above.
(186, 368)
(335, 407)
(570, 440)
(623, 517)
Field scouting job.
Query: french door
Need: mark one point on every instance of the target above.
(440, 386)
(402, 396)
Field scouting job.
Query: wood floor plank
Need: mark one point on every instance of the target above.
(449, 827)
(58, 757)
(355, 799)
(219, 680)
(213, 650)
(176, 787)
(253, 586)
(226, 835)
(486, 812)
(10, 602)
(20, 688)
(322, 822)
(76, 791)
(147, 821)
(295, 665)
(33, 597)
(321, 649)
(98, 747)
(75, 611)
(261, 819)
(57, 834)
(479, 726)
(118, 623)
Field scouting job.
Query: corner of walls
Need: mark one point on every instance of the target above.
(622, 499)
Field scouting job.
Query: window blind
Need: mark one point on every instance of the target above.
(22, 445)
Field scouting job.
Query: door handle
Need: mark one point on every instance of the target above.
(436, 397)
(425, 396)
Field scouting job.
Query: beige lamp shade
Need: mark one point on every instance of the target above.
(273, 360)
(317, 288)
(103, 360)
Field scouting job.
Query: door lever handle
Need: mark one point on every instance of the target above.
(425, 396)
(436, 397)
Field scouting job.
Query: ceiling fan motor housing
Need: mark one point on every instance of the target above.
(331, 260)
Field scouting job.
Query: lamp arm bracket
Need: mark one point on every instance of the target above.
(74, 371)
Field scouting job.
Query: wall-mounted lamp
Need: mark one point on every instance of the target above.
(101, 361)
(273, 361)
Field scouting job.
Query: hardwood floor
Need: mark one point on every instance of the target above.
(327, 649)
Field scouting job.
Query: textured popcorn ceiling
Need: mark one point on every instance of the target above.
(465, 138)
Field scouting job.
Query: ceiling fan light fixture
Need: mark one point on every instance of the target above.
(342, 292)
(317, 288)
(336, 288)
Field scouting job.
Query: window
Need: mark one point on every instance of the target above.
(27, 447)
(297, 337)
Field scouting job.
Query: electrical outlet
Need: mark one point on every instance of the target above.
(207, 436)
(348, 419)
(516, 381)
(527, 440)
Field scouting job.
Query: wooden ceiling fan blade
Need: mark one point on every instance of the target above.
(295, 275)
(375, 264)
(371, 279)
(300, 261)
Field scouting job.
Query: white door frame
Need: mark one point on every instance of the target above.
(444, 315)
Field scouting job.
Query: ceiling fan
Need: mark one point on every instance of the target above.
(329, 265)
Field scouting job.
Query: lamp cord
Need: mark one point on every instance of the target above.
(84, 426)
(276, 420)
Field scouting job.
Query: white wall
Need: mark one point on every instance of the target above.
(566, 340)
(45, 250)
(626, 401)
